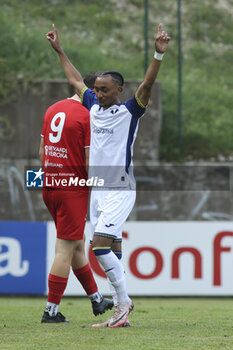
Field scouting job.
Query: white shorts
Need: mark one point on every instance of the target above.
(109, 211)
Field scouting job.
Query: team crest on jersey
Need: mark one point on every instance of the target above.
(114, 111)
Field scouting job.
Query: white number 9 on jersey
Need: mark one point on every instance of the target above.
(57, 128)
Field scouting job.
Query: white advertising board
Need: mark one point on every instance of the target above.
(167, 258)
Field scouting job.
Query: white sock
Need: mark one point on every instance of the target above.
(112, 289)
(113, 292)
(51, 308)
(115, 273)
(96, 297)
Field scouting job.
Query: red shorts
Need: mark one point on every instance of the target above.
(69, 210)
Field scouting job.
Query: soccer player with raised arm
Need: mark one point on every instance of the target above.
(113, 132)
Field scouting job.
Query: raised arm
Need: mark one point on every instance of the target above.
(161, 43)
(74, 77)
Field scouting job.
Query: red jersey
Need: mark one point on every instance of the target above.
(66, 132)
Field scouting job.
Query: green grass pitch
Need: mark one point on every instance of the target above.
(157, 323)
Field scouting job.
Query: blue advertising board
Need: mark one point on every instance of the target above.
(23, 257)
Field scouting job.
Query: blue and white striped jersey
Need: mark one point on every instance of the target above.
(113, 132)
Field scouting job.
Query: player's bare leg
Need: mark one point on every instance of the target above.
(63, 256)
(79, 257)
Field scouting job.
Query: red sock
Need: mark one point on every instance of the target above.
(57, 286)
(86, 278)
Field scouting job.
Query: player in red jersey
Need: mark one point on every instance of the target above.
(64, 152)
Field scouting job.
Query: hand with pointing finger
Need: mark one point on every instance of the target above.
(52, 36)
(161, 40)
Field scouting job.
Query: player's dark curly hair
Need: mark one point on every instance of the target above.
(116, 76)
